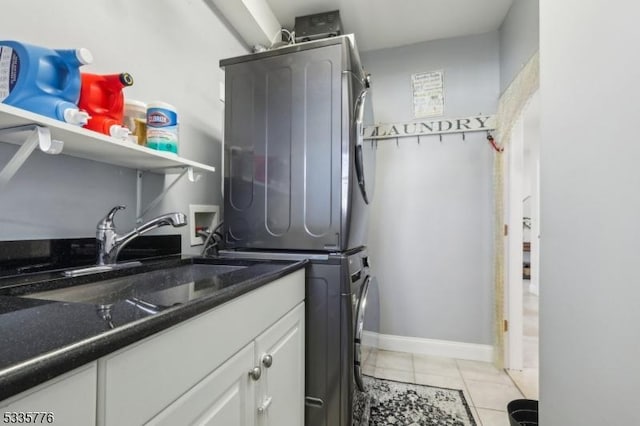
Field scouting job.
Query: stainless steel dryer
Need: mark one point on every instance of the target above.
(340, 295)
(294, 171)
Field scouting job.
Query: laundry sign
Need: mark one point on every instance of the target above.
(431, 127)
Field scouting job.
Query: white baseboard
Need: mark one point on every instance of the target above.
(418, 345)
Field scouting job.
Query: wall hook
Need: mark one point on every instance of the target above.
(493, 143)
(463, 137)
(440, 136)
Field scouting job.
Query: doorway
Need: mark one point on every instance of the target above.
(522, 249)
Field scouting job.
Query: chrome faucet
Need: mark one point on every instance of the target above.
(110, 243)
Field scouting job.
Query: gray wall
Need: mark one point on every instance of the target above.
(589, 315)
(431, 238)
(172, 49)
(519, 39)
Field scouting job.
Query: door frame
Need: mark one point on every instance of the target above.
(514, 195)
(513, 213)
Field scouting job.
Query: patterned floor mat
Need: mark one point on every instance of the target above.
(388, 402)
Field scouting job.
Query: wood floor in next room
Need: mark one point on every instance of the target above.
(486, 389)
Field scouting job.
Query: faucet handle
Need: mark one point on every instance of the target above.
(107, 221)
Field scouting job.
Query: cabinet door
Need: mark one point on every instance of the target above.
(66, 400)
(225, 397)
(280, 354)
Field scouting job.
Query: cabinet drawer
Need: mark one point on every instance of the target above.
(139, 381)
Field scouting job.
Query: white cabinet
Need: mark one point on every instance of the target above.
(139, 382)
(225, 397)
(196, 372)
(261, 385)
(280, 356)
(66, 400)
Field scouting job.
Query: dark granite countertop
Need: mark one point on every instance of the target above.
(42, 339)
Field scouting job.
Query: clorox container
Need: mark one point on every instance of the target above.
(101, 96)
(43, 80)
(162, 127)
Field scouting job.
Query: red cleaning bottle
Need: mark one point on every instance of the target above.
(101, 96)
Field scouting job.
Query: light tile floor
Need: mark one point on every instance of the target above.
(486, 389)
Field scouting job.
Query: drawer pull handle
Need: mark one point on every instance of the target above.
(267, 360)
(255, 373)
(263, 408)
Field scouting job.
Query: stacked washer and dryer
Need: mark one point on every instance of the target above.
(298, 185)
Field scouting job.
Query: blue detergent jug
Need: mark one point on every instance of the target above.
(43, 80)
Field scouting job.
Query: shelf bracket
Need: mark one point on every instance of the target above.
(193, 177)
(37, 136)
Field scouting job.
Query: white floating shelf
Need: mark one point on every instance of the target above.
(83, 143)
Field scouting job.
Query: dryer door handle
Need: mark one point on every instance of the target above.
(359, 134)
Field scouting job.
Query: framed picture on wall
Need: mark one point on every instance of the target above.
(428, 94)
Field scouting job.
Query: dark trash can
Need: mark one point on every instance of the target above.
(523, 412)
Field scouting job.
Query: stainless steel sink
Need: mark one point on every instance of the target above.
(159, 288)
